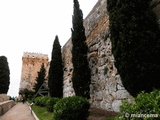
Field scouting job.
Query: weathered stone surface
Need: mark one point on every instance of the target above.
(106, 105)
(122, 94)
(4, 97)
(5, 106)
(98, 95)
(119, 87)
(111, 85)
(116, 105)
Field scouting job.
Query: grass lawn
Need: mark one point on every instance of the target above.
(42, 113)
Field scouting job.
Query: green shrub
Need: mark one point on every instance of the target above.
(145, 103)
(50, 104)
(37, 100)
(44, 100)
(71, 108)
(41, 101)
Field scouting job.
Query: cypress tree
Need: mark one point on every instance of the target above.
(81, 72)
(55, 82)
(135, 38)
(40, 78)
(4, 75)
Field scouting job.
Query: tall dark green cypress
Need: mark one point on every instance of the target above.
(40, 78)
(55, 82)
(4, 75)
(81, 72)
(135, 38)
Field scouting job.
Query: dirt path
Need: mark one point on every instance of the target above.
(99, 114)
(19, 112)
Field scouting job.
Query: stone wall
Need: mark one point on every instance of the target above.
(68, 68)
(106, 89)
(5, 106)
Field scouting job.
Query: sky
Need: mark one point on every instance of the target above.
(31, 26)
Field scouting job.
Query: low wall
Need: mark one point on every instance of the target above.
(5, 106)
(4, 97)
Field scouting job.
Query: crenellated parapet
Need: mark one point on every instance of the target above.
(34, 55)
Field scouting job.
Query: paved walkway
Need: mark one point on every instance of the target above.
(19, 112)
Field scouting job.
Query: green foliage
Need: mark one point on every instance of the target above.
(41, 101)
(40, 78)
(81, 77)
(37, 100)
(135, 38)
(27, 94)
(145, 103)
(50, 104)
(71, 108)
(55, 82)
(4, 75)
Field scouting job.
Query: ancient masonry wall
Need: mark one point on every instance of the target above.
(106, 89)
(31, 64)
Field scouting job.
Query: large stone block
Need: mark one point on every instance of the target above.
(5, 106)
(116, 105)
(122, 94)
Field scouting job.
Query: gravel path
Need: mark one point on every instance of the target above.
(19, 112)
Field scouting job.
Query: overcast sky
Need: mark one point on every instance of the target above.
(31, 26)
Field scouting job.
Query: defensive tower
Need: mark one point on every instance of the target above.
(31, 64)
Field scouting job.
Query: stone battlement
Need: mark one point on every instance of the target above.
(35, 55)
